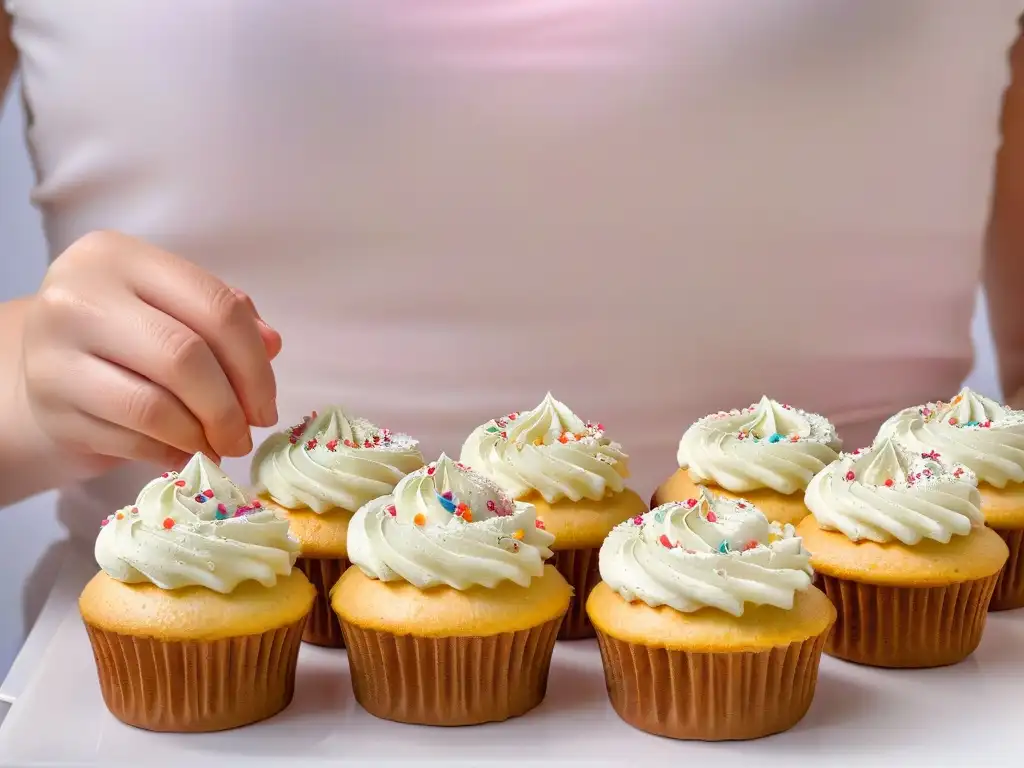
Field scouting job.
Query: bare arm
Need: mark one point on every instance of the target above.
(1004, 261)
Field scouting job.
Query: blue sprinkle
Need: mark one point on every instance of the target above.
(724, 547)
(973, 424)
(659, 517)
(775, 438)
(448, 504)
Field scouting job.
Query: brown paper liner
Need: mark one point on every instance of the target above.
(323, 627)
(711, 696)
(579, 568)
(906, 627)
(196, 686)
(450, 680)
(1010, 586)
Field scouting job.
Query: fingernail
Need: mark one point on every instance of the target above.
(267, 415)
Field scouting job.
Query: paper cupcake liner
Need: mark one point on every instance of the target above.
(449, 680)
(711, 696)
(196, 686)
(323, 627)
(886, 626)
(1010, 586)
(579, 568)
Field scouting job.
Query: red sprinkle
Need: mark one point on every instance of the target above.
(952, 421)
(349, 444)
(256, 505)
(311, 444)
(638, 520)
(222, 509)
(504, 435)
(491, 505)
(331, 445)
(741, 505)
(665, 542)
(850, 476)
(104, 521)
(712, 517)
(367, 444)
(135, 510)
(166, 474)
(600, 427)
(794, 439)
(293, 439)
(930, 455)
(512, 416)
(539, 524)
(431, 470)
(958, 471)
(168, 523)
(888, 483)
(208, 493)
(691, 503)
(391, 510)
(180, 483)
(986, 424)
(752, 544)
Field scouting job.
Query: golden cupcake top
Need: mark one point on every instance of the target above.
(970, 429)
(195, 528)
(448, 525)
(889, 492)
(333, 460)
(710, 551)
(766, 445)
(549, 451)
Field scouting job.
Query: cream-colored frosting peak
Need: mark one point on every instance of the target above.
(195, 528)
(971, 429)
(709, 551)
(548, 450)
(767, 445)
(889, 492)
(333, 461)
(448, 525)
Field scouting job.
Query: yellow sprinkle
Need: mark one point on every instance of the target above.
(519, 534)
(539, 441)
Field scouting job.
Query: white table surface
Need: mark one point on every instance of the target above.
(967, 715)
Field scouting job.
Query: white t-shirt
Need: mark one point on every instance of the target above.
(653, 208)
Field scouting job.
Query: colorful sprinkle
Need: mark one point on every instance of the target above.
(447, 502)
(986, 424)
(165, 475)
(776, 437)
(391, 510)
(518, 534)
(257, 504)
(431, 470)
(691, 503)
(504, 435)
(930, 455)
(293, 439)
(663, 540)
(741, 505)
(135, 510)
(180, 483)
(724, 547)
(419, 519)
(119, 516)
(638, 520)
(958, 471)
(659, 516)
(462, 510)
(491, 506)
(752, 544)
(563, 438)
(348, 443)
(888, 483)
(795, 439)
(539, 523)
(712, 517)
(850, 476)
(311, 444)
(200, 498)
(973, 424)
(222, 511)
(168, 523)
(953, 422)
(491, 429)
(105, 521)
(512, 416)
(539, 441)
(367, 444)
(241, 510)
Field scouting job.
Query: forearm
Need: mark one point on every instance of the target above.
(1004, 256)
(27, 463)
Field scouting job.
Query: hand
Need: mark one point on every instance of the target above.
(130, 352)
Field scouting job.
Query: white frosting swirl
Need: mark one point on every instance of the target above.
(446, 524)
(195, 528)
(888, 492)
(971, 430)
(767, 445)
(709, 551)
(549, 450)
(333, 461)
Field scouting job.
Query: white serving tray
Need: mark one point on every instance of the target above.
(967, 715)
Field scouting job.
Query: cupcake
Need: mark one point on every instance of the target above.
(901, 549)
(988, 438)
(574, 477)
(450, 615)
(196, 616)
(766, 453)
(708, 624)
(317, 474)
